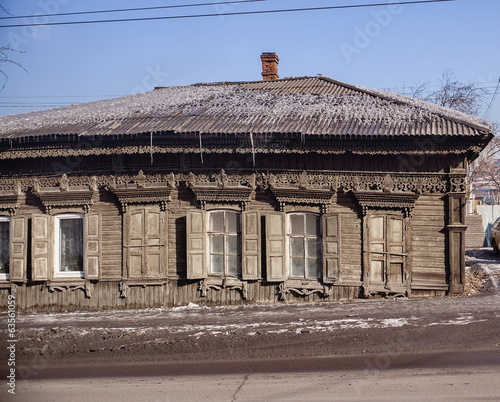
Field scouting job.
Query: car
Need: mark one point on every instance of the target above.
(495, 236)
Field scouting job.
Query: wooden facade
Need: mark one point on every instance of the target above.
(234, 216)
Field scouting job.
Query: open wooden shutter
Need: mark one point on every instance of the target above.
(275, 247)
(196, 244)
(250, 237)
(41, 247)
(331, 248)
(92, 240)
(18, 250)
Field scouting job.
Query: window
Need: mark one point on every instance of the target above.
(304, 245)
(69, 245)
(4, 247)
(224, 243)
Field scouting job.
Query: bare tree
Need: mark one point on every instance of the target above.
(5, 57)
(464, 97)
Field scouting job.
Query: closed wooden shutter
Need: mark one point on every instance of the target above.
(250, 237)
(41, 247)
(18, 250)
(275, 247)
(196, 244)
(145, 242)
(331, 248)
(92, 253)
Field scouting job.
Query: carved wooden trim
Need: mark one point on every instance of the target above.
(139, 190)
(212, 283)
(66, 195)
(303, 288)
(124, 285)
(67, 286)
(222, 187)
(286, 196)
(377, 200)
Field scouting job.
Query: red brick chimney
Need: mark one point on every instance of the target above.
(269, 66)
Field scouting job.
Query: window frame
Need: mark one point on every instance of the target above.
(6, 276)
(57, 246)
(238, 234)
(319, 245)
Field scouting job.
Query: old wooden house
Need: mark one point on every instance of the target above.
(295, 189)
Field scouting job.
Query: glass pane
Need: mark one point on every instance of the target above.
(233, 264)
(313, 268)
(217, 263)
(297, 266)
(71, 237)
(312, 225)
(4, 247)
(297, 247)
(296, 224)
(313, 246)
(217, 221)
(232, 222)
(232, 245)
(217, 244)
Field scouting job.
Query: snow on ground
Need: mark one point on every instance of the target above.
(482, 271)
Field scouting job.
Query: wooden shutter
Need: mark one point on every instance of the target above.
(331, 247)
(41, 247)
(275, 247)
(250, 237)
(92, 250)
(18, 242)
(153, 242)
(134, 242)
(196, 244)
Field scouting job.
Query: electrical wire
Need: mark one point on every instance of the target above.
(227, 14)
(133, 9)
(488, 109)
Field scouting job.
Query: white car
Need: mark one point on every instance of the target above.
(495, 236)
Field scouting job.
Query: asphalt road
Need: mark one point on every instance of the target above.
(470, 376)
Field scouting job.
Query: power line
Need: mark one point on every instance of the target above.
(133, 9)
(488, 109)
(226, 14)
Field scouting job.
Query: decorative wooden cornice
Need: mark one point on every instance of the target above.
(140, 191)
(222, 188)
(381, 200)
(302, 196)
(10, 198)
(66, 195)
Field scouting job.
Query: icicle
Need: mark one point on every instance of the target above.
(253, 149)
(201, 149)
(151, 146)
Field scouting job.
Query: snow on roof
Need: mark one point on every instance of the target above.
(233, 108)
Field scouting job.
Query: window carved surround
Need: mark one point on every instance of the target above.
(10, 198)
(212, 283)
(139, 190)
(65, 194)
(69, 286)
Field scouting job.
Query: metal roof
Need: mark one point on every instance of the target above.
(306, 106)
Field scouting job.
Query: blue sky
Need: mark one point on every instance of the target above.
(380, 47)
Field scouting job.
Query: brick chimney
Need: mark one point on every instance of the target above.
(269, 66)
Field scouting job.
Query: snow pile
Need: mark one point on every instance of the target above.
(482, 272)
(233, 101)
